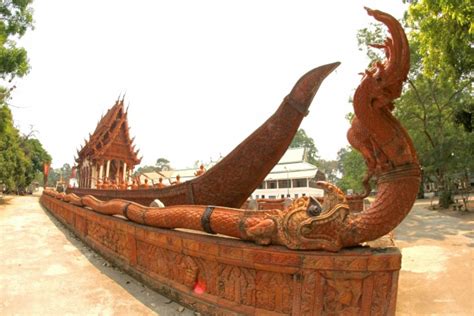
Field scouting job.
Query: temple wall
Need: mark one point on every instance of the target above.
(225, 276)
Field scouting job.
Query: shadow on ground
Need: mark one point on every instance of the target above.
(4, 200)
(148, 297)
(423, 223)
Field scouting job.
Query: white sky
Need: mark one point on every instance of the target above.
(200, 76)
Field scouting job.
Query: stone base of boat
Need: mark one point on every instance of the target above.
(224, 276)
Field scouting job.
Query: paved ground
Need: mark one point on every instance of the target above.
(45, 270)
(437, 263)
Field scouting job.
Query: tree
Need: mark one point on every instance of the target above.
(436, 105)
(329, 168)
(427, 110)
(21, 157)
(352, 167)
(442, 33)
(15, 19)
(162, 164)
(36, 155)
(144, 169)
(301, 139)
(13, 161)
(53, 177)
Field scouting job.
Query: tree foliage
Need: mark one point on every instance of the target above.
(13, 162)
(329, 168)
(442, 32)
(58, 174)
(352, 167)
(146, 168)
(16, 18)
(21, 157)
(162, 164)
(301, 139)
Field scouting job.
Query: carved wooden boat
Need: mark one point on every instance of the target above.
(225, 276)
(220, 275)
(234, 178)
(307, 223)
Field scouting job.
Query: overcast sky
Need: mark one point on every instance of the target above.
(199, 76)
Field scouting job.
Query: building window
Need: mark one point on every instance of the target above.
(296, 195)
(271, 184)
(283, 184)
(256, 196)
(261, 186)
(272, 197)
(304, 194)
(299, 183)
(282, 196)
(263, 196)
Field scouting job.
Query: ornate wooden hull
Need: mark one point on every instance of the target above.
(224, 276)
(234, 178)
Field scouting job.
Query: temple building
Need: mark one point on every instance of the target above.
(109, 155)
(292, 177)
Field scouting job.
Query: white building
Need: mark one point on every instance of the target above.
(168, 176)
(292, 177)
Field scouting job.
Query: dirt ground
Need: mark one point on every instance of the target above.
(45, 270)
(437, 264)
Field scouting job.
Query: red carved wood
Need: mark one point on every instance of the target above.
(234, 178)
(221, 276)
(309, 224)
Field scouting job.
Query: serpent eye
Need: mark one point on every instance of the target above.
(314, 208)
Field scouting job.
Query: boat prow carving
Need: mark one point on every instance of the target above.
(230, 182)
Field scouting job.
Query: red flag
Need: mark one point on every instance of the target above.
(45, 173)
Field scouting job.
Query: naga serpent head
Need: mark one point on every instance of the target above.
(308, 222)
(388, 152)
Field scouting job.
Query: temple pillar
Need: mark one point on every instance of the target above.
(107, 170)
(124, 171)
(101, 171)
(88, 177)
(83, 176)
(94, 177)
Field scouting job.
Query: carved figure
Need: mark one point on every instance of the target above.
(106, 185)
(308, 223)
(113, 185)
(123, 185)
(160, 184)
(200, 171)
(178, 180)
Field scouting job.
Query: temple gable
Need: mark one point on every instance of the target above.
(109, 156)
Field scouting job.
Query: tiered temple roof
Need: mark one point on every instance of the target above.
(111, 139)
